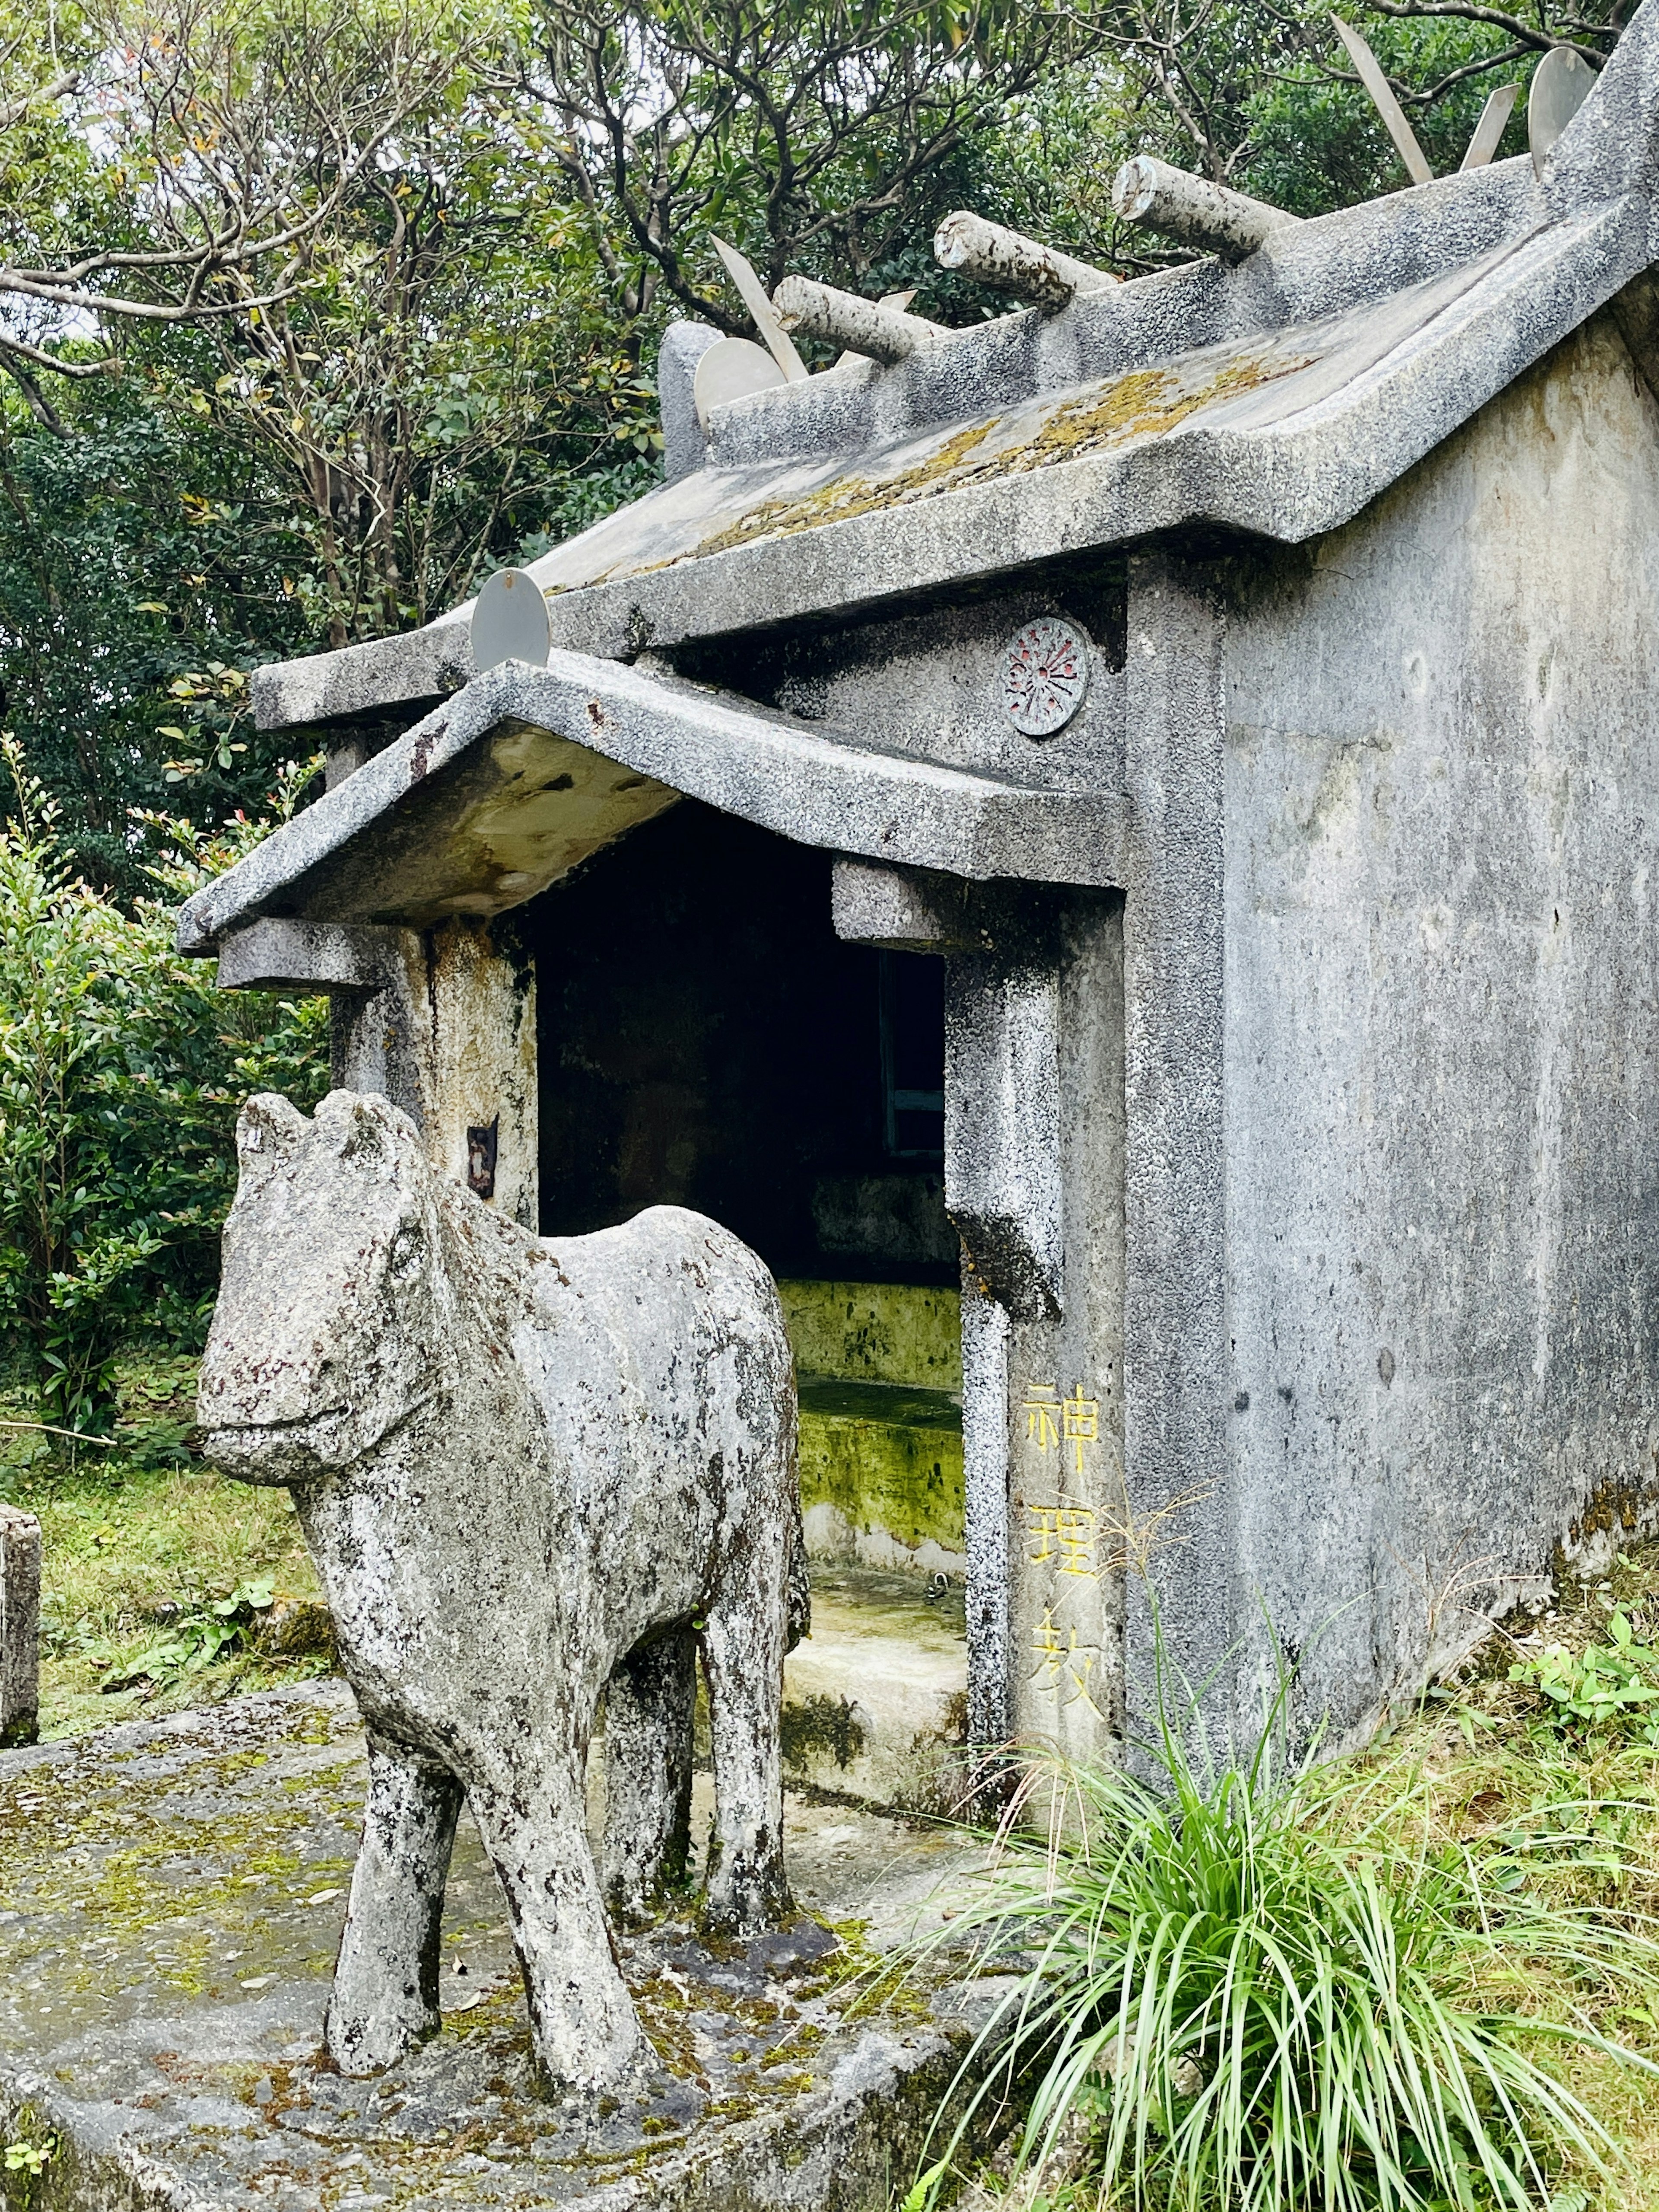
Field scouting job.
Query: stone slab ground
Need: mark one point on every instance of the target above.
(171, 1895)
(875, 1699)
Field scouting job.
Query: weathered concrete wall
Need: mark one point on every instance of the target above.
(1442, 1038)
(928, 685)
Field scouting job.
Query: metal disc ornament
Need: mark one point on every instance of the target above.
(510, 620)
(1044, 675)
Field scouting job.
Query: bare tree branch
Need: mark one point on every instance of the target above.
(242, 134)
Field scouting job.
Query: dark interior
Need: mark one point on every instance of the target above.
(707, 1041)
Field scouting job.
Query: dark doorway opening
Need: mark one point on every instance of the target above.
(707, 1041)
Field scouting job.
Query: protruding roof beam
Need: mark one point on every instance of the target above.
(844, 319)
(1007, 262)
(1176, 204)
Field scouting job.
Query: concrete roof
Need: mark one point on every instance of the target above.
(1276, 396)
(483, 805)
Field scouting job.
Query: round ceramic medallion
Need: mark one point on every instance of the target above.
(1044, 675)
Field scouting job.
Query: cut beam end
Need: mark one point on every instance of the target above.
(1008, 262)
(845, 319)
(1155, 195)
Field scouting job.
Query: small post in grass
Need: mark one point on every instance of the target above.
(20, 1626)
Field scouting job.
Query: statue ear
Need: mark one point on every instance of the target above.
(365, 1127)
(267, 1129)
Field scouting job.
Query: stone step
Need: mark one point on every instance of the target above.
(173, 1893)
(881, 1475)
(875, 1699)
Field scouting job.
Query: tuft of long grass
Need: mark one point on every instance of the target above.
(1256, 1998)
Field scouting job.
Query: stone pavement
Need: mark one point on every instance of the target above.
(171, 1895)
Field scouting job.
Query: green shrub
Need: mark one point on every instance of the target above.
(1246, 2004)
(197, 1636)
(121, 1071)
(1612, 1686)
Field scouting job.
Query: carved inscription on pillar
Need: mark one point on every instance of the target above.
(1065, 1543)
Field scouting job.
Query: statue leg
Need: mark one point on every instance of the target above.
(648, 1710)
(742, 1653)
(581, 2018)
(386, 1981)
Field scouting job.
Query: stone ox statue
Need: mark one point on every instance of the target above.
(530, 1472)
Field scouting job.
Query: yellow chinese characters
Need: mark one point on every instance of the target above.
(1063, 1665)
(1066, 1536)
(1052, 1421)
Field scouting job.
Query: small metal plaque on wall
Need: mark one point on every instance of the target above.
(1044, 674)
(481, 1148)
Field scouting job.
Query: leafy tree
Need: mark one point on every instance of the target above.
(195, 150)
(139, 553)
(121, 1071)
(444, 383)
(817, 136)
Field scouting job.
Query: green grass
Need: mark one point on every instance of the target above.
(134, 1538)
(1426, 1977)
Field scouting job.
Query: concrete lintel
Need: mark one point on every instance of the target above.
(274, 954)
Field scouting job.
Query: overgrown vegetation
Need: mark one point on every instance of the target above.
(121, 1071)
(1426, 1977)
(164, 1585)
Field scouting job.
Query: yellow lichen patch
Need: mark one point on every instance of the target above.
(849, 496)
(1145, 403)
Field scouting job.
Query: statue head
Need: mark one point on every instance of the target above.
(333, 1301)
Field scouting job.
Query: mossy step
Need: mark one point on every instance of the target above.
(875, 1700)
(876, 1332)
(892, 1405)
(881, 1475)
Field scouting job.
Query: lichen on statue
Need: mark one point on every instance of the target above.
(532, 1473)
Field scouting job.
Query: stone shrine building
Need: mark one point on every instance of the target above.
(1142, 814)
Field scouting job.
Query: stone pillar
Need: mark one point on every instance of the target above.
(1046, 1002)
(442, 1022)
(481, 1115)
(1034, 1154)
(379, 1021)
(19, 1627)
(1175, 1353)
